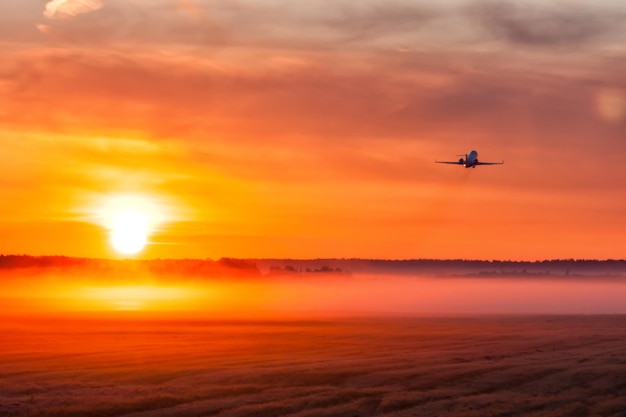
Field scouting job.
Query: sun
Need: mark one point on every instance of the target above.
(129, 231)
(130, 220)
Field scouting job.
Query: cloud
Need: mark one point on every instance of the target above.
(372, 21)
(532, 25)
(369, 25)
(132, 23)
(394, 98)
(64, 9)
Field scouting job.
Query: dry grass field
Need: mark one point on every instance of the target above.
(463, 366)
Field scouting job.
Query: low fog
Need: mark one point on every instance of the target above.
(320, 295)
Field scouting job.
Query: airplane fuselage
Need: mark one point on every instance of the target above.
(470, 161)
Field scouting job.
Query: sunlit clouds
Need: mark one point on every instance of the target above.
(64, 9)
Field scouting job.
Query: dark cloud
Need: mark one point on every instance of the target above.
(533, 25)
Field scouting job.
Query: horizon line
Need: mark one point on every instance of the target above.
(321, 259)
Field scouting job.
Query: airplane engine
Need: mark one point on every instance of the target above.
(461, 161)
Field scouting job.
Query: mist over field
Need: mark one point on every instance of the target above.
(261, 289)
(293, 338)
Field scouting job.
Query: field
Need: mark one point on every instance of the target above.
(460, 366)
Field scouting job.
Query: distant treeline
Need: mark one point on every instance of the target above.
(225, 267)
(276, 270)
(231, 267)
(454, 267)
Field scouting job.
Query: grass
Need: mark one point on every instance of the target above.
(479, 366)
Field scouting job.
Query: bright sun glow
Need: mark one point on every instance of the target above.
(130, 219)
(129, 232)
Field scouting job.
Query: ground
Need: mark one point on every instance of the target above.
(459, 366)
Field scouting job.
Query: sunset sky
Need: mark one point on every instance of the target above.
(305, 129)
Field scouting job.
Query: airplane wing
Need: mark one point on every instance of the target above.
(449, 162)
(490, 163)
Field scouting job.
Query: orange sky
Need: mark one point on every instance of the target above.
(309, 129)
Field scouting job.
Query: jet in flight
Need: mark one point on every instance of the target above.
(470, 161)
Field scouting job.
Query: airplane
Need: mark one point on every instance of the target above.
(470, 161)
